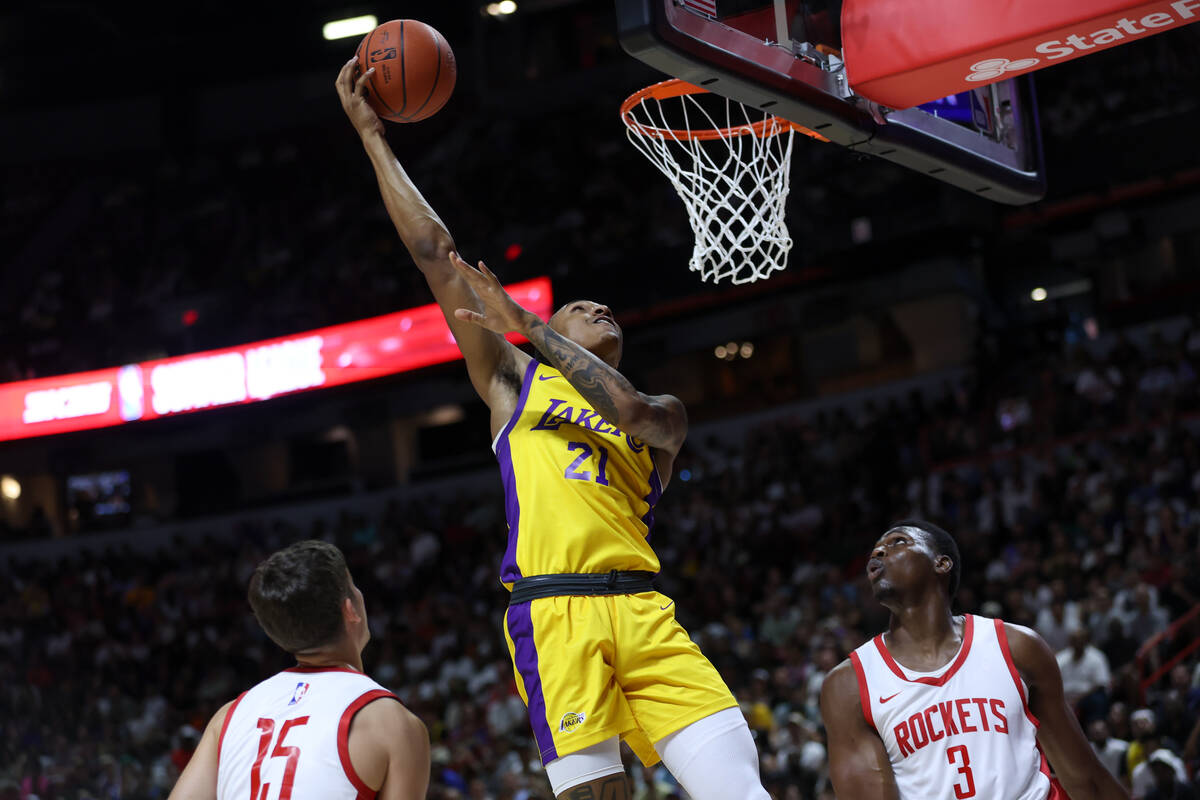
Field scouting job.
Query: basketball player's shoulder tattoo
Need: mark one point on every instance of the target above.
(594, 379)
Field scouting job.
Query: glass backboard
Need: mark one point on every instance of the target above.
(783, 56)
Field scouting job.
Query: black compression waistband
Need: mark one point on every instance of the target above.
(586, 584)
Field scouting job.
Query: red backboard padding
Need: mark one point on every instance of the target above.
(901, 53)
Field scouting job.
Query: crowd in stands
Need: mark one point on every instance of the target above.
(104, 257)
(1072, 484)
(298, 219)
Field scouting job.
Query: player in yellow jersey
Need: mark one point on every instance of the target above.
(584, 457)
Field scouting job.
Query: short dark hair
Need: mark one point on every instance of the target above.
(297, 595)
(943, 545)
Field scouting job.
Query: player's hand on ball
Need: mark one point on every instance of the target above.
(353, 95)
(500, 312)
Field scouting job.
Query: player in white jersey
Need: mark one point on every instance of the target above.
(315, 731)
(944, 707)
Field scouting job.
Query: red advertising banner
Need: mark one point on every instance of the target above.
(355, 351)
(901, 53)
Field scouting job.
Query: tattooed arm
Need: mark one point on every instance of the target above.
(658, 420)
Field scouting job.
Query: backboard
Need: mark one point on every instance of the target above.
(783, 56)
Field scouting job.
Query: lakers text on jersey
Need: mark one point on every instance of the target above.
(579, 492)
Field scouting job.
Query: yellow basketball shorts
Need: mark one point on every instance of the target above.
(590, 668)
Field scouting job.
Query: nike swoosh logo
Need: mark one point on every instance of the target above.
(883, 700)
(548, 377)
(668, 605)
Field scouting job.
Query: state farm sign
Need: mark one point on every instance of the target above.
(1076, 44)
(902, 54)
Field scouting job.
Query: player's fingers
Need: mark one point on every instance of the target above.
(483, 268)
(465, 269)
(467, 315)
(344, 78)
(362, 82)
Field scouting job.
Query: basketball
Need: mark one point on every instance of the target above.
(414, 70)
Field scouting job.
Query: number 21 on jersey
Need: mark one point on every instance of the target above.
(267, 729)
(574, 471)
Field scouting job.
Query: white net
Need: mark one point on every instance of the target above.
(730, 172)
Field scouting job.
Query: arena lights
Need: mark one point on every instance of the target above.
(351, 26)
(732, 350)
(10, 487)
(501, 9)
(1068, 289)
(318, 359)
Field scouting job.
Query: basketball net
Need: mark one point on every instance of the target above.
(730, 170)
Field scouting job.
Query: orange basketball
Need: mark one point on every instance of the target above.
(414, 70)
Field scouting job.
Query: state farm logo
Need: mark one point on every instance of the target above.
(1109, 31)
(993, 68)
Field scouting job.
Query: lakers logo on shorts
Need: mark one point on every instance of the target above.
(570, 721)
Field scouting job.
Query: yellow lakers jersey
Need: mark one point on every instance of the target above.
(579, 493)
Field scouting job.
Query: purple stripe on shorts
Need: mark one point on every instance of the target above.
(525, 658)
(509, 571)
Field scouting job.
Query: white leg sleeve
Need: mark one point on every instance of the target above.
(585, 765)
(714, 758)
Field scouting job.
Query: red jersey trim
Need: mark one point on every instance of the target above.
(225, 725)
(300, 668)
(1002, 638)
(963, 651)
(864, 697)
(343, 739)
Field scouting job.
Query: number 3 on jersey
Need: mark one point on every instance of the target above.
(962, 792)
(573, 472)
(267, 726)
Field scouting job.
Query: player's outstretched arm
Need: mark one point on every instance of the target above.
(389, 749)
(1074, 762)
(495, 366)
(658, 420)
(198, 781)
(858, 762)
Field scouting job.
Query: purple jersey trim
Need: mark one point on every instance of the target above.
(509, 571)
(656, 492)
(525, 659)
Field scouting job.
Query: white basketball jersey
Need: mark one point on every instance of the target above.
(964, 731)
(288, 737)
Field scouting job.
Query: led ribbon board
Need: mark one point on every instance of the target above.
(900, 53)
(249, 373)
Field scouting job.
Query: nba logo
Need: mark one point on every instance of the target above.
(298, 693)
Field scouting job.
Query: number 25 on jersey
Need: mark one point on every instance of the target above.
(258, 789)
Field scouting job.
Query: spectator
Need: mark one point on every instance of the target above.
(1169, 780)
(1055, 623)
(1100, 611)
(1085, 676)
(1110, 750)
(1147, 739)
(1146, 620)
(1119, 646)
